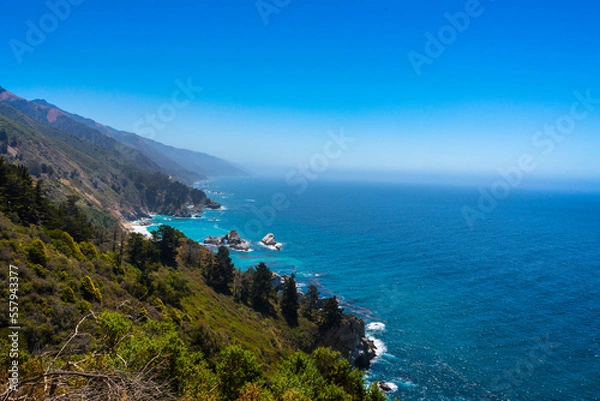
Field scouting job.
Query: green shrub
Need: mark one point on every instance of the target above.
(68, 295)
(89, 250)
(64, 243)
(235, 368)
(89, 289)
(114, 326)
(36, 253)
(39, 270)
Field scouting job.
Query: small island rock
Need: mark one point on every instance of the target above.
(269, 240)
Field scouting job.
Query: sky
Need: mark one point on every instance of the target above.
(417, 88)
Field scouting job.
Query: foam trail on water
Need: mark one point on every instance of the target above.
(376, 326)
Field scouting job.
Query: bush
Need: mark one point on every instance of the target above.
(68, 295)
(36, 253)
(235, 368)
(115, 326)
(89, 290)
(89, 250)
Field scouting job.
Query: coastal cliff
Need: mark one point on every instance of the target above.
(350, 340)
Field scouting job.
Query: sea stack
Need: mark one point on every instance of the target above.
(269, 240)
(232, 240)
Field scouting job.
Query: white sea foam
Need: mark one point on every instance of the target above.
(271, 247)
(392, 386)
(250, 200)
(380, 347)
(376, 326)
(407, 383)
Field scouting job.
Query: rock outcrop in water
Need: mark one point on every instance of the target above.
(232, 240)
(269, 240)
(350, 339)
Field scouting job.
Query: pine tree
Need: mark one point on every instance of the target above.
(226, 268)
(332, 313)
(220, 272)
(311, 301)
(289, 301)
(261, 289)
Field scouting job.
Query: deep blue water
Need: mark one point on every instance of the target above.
(508, 310)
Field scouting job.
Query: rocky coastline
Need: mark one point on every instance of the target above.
(232, 240)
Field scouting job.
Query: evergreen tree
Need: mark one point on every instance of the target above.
(226, 268)
(332, 313)
(219, 273)
(311, 301)
(3, 142)
(261, 289)
(167, 238)
(289, 301)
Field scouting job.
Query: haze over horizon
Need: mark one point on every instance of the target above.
(509, 80)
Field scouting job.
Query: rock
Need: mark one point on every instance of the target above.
(232, 240)
(385, 387)
(269, 240)
(349, 338)
(240, 247)
(212, 205)
(277, 282)
(214, 241)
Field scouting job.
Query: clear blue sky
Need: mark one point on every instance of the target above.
(271, 92)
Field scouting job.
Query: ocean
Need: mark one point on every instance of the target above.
(508, 309)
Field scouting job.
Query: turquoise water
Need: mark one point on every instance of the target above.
(509, 310)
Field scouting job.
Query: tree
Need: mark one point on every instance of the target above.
(241, 287)
(36, 253)
(311, 301)
(261, 289)
(3, 142)
(167, 239)
(332, 313)
(89, 289)
(289, 301)
(236, 367)
(141, 252)
(219, 274)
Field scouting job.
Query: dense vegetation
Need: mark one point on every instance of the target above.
(118, 316)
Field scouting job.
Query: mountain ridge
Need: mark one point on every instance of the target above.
(185, 165)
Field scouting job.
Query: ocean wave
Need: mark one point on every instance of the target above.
(376, 326)
(380, 347)
(271, 247)
(250, 200)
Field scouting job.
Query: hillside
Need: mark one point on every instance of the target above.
(178, 160)
(145, 154)
(122, 317)
(102, 179)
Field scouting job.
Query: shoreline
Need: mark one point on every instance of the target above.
(138, 228)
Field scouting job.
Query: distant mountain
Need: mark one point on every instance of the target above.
(148, 155)
(101, 176)
(174, 159)
(56, 118)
